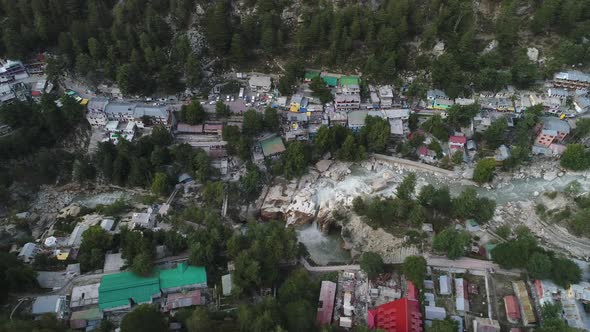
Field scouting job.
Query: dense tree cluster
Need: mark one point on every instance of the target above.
(138, 45)
(257, 255)
(453, 242)
(538, 262)
(95, 243)
(15, 276)
(372, 264)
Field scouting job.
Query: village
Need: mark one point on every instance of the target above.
(479, 297)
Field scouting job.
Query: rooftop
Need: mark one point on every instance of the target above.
(552, 123)
(182, 275)
(271, 146)
(349, 80)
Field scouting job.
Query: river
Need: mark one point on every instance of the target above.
(324, 249)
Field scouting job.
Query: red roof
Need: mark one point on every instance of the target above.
(180, 300)
(400, 315)
(372, 318)
(326, 303)
(458, 139)
(512, 309)
(538, 288)
(423, 151)
(35, 93)
(412, 291)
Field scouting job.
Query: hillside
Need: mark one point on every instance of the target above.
(162, 46)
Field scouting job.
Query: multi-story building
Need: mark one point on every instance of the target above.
(347, 102)
(554, 130)
(572, 79)
(399, 315)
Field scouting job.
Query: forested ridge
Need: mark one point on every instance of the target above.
(144, 45)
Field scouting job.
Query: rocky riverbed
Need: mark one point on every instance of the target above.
(331, 186)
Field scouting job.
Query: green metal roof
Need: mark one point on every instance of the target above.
(272, 146)
(89, 314)
(349, 80)
(182, 275)
(310, 75)
(115, 290)
(330, 80)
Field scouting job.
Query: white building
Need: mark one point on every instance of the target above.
(144, 220)
(28, 252)
(260, 83)
(445, 285)
(75, 238)
(84, 295)
(461, 299)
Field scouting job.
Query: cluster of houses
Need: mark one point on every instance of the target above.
(23, 81)
(121, 119)
(116, 293)
(382, 303)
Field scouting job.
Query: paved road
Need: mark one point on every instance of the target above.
(473, 265)
(328, 268)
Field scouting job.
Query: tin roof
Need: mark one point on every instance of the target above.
(182, 275)
(272, 146)
(117, 289)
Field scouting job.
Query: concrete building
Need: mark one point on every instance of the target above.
(52, 304)
(85, 295)
(526, 308)
(554, 130)
(398, 315)
(145, 220)
(445, 285)
(326, 303)
(120, 291)
(75, 238)
(512, 309)
(28, 252)
(260, 83)
(347, 102)
(386, 96)
(461, 296)
(356, 120)
(485, 325)
(572, 79)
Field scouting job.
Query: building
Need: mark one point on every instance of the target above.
(401, 315)
(125, 112)
(88, 319)
(338, 119)
(461, 295)
(412, 291)
(433, 94)
(445, 285)
(272, 146)
(107, 224)
(464, 101)
(347, 102)
(485, 325)
(526, 308)
(386, 96)
(145, 220)
(295, 103)
(572, 79)
(512, 309)
(350, 84)
(356, 120)
(457, 143)
(52, 304)
(398, 121)
(310, 75)
(260, 83)
(330, 80)
(28, 252)
(182, 300)
(183, 277)
(226, 284)
(122, 290)
(554, 130)
(441, 104)
(326, 303)
(434, 313)
(75, 238)
(557, 92)
(83, 296)
(12, 70)
(581, 103)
